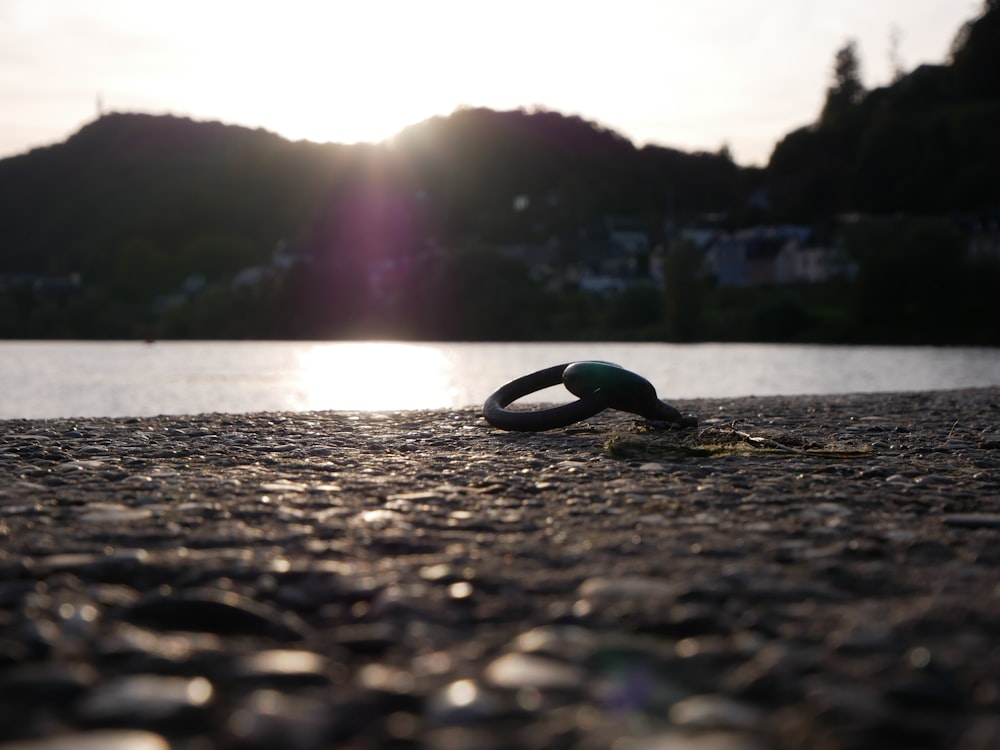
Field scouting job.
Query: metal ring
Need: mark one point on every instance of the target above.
(496, 413)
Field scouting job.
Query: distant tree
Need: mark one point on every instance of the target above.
(895, 61)
(215, 255)
(975, 54)
(912, 283)
(684, 291)
(846, 89)
(636, 312)
(137, 271)
(474, 292)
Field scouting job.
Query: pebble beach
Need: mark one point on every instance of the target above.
(792, 573)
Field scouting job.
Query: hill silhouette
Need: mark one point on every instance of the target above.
(139, 205)
(169, 180)
(926, 144)
(165, 179)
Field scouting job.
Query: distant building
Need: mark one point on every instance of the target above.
(984, 240)
(628, 237)
(41, 286)
(768, 255)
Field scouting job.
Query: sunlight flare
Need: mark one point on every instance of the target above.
(374, 375)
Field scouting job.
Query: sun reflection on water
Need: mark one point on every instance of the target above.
(374, 375)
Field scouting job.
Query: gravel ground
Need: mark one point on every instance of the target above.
(793, 573)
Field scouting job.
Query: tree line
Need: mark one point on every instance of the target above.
(925, 144)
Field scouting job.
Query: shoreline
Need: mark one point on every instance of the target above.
(795, 572)
(253, 377)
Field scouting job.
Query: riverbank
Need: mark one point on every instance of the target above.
(797, 572)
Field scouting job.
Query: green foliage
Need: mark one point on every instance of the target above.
(846, 91)
(222, 312)
(637, 312)
(216, 255)
(915, 286)
(798, 313)
(684, 291)
(475, 293)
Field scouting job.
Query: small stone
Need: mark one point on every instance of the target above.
(222, 612)
(936, 692)
(462, 702)
(269, 719)
(12, 652)
(701, 741)
(86, 465)
(160, 652)
(635, 587)
(983, 733)
(463, 738)
(973, 520)
(929, 479)
(525, 671)
(45, 682)
(282, 485)
(147, 701)
(380, 518)
(990, 440)
(111, 739)
(713, 712)
(283, 666)
(568, 642)
(367, 638)
(113, 513)
(382, 678)
(66, 561)
(771, 676)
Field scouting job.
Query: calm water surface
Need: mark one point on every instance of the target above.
(63, 379)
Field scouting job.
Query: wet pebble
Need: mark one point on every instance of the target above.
(516, 670)
(268, 719)
(973, 520)
(714, 712)
(223, 612)
(110, 739)
(45, 682)
(282, 667)
(462, 702)
(633, 587)
(990, 440)
(147, 701)
(113, 513)
(676, 740)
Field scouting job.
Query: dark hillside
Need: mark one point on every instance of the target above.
(165, 180)
(148, 210)
(476, 161)
(927, 144)
(170, 180)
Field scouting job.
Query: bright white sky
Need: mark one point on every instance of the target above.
(690, 74)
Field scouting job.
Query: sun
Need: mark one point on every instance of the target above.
(341, 73)
(373, 375)
(337, 72)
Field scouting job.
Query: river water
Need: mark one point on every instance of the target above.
(41, 379)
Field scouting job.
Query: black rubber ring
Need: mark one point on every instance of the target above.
(496, 413)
